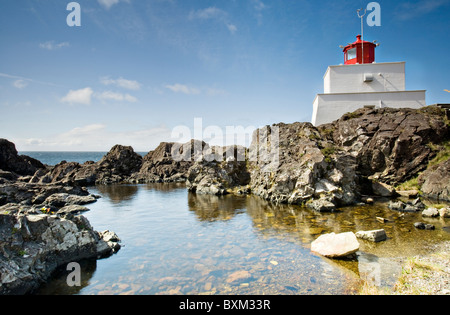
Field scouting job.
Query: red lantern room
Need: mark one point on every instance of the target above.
(353, 53)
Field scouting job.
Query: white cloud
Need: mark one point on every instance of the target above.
(109, 95)
(97, 137)
(208, 13)
(215, 14)
(86, 130)
(82, 96)
(259, 7)
(190, 90)
(232, 28)
(107, 4)
(20, 84)
(51, 45)
(180, 88)
(121, 82)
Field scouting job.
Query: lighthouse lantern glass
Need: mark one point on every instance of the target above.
(351, 54)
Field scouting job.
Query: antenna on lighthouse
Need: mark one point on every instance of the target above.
(361, 16)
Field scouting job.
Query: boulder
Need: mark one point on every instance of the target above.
(108, 244)
(410, 206)
(373, 236)
(408, 193)
(435, 181)
(396, 205)
(335, 245)
(382, 189)
(430, 213)
(444, 212)
(424, 226)
(72, 209)
(321, 205)
(65, 199)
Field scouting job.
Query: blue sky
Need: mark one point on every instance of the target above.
(135, 69)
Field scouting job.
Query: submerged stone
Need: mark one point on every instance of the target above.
(374, 236)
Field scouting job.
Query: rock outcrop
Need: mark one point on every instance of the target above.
(19, 164)
(33, 245)
(367, 152)
(41, 227)
(308, 167)
(390, 145)
(220, 171)
(159, 165)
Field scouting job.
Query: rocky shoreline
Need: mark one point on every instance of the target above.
(371, 152)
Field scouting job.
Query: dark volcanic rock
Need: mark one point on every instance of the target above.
(220, 172)
(19, 164)
(121, 160)
(115, 167)
(300, 165)
(391, 145)
(159, 166)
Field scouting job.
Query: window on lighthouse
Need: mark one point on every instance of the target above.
(351, 54)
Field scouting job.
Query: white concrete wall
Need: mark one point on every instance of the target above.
(330, 107)
(350, 78)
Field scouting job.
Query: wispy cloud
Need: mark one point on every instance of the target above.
(411, 10)
(259, 7)
(213, 13)
(21, 81)
(20, 84)
(82, 96)
(107, 4)
(181, 88)
(114, 96)
(121, 82)
(51, 45)
(190, 90)
(85, 96)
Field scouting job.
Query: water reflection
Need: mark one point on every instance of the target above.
(118, 193)
(216, 208)
(376, 262)
(58, 285)
(181, 243)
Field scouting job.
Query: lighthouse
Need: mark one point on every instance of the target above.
(362, 82)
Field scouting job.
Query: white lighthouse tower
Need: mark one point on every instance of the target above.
(361, 82)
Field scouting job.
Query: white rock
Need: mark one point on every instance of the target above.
(430, 212)
(335, 245)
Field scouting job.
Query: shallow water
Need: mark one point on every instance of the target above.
(175, 242)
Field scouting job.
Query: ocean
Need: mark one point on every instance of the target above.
(53, 158)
